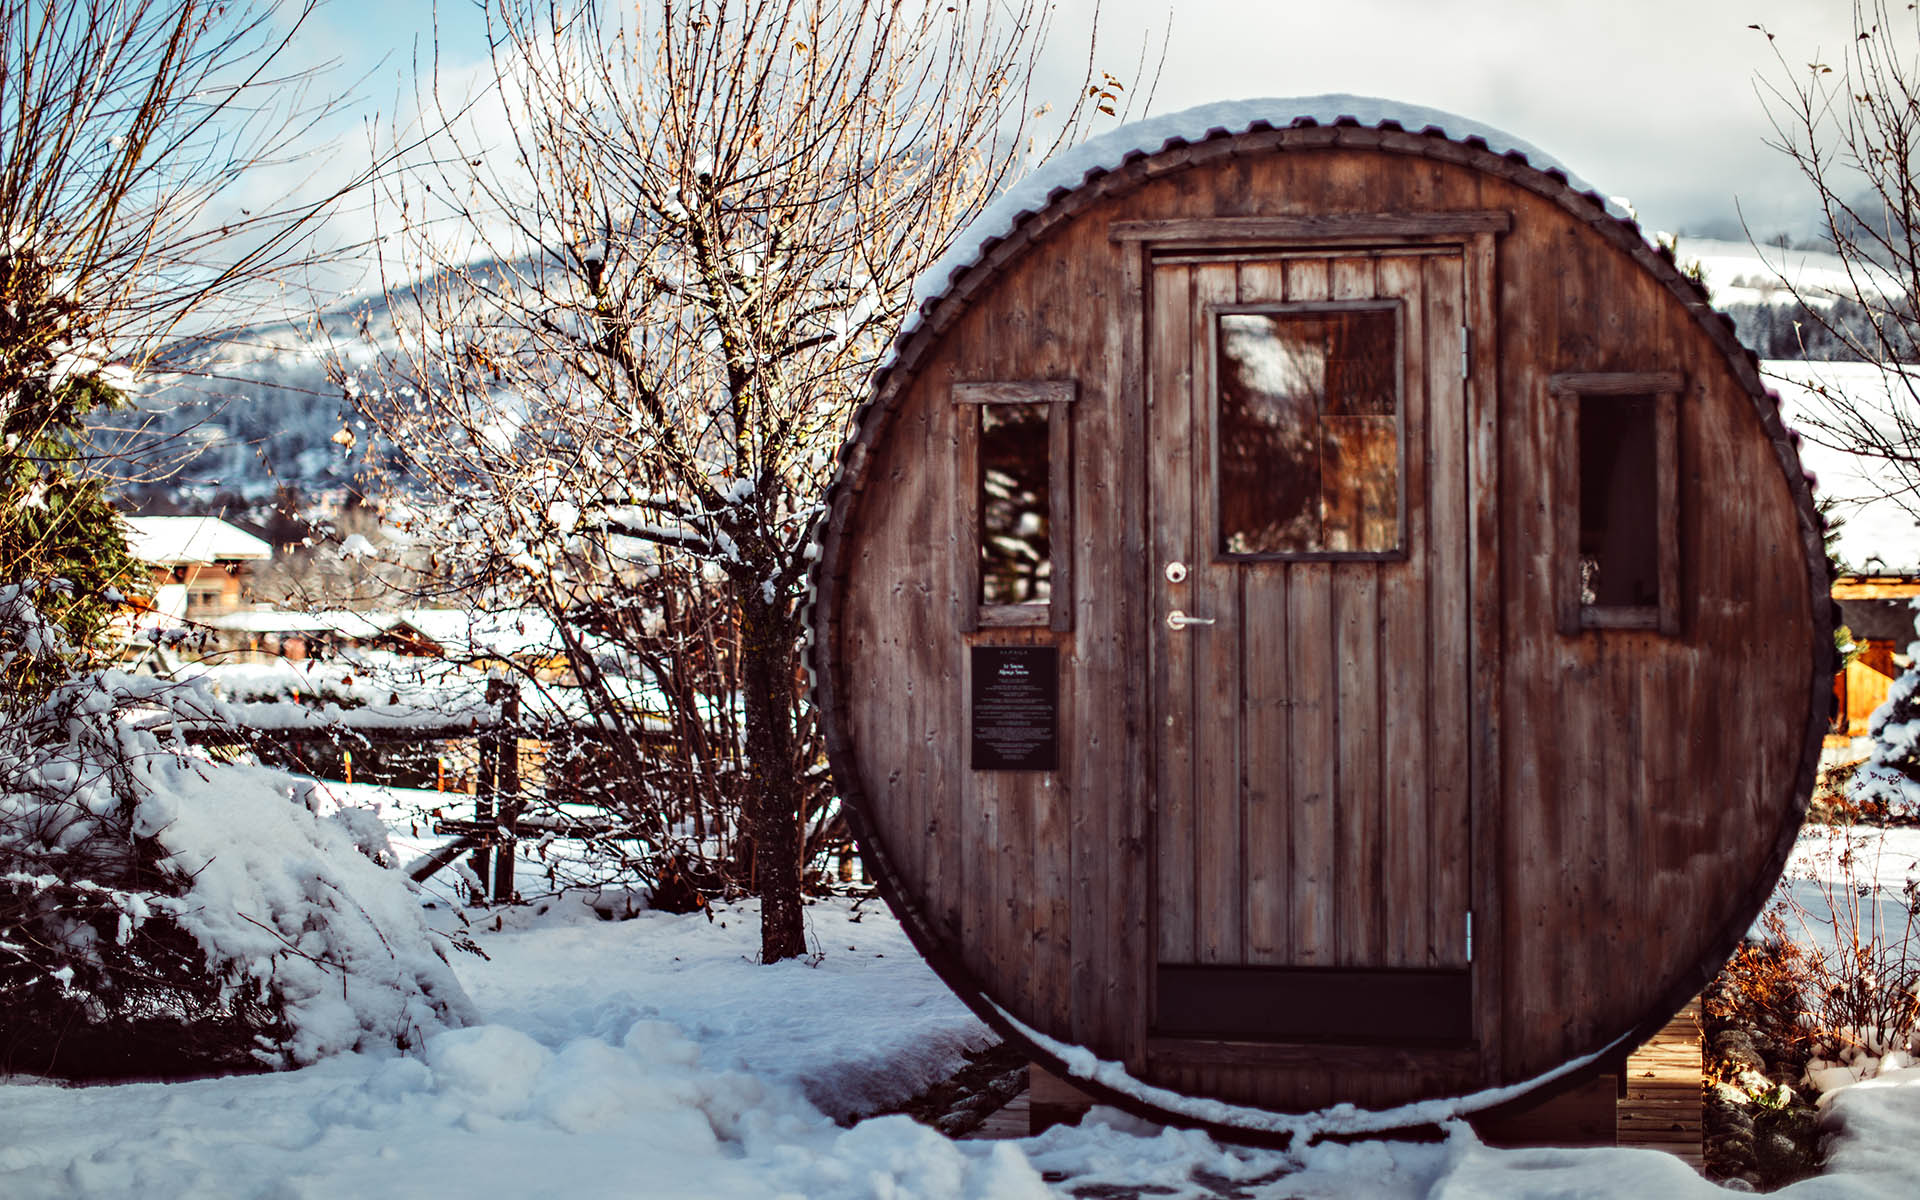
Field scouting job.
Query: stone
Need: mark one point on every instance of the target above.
(1734, 1049)
(1796, 1121)
(1777, 1154)
(1730, 1038)
(1736, 1148)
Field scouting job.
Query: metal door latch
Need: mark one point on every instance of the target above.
(1177, 620)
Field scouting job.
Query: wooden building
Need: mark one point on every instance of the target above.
(201, 567)
(1318, 609)
(1878, 611)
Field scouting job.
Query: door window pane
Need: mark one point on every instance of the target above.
(1016, 556)
(1309, 432)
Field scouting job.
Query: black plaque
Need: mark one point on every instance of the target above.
(1016, 708)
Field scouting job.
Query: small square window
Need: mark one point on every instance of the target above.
(1015, 503)
(1016, 553)
(1616, 509)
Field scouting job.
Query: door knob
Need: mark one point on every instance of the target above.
(1177, 620)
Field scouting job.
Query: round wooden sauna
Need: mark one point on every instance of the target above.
(1318, 609)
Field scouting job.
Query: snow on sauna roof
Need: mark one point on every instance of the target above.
(169, 541)
(1152, 135)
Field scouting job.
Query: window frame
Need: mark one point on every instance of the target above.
(1566, 391)
(1056, 613)
(1214, 533)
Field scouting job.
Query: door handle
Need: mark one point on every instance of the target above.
(1177, 620)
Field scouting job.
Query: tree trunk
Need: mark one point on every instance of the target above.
(773, 794)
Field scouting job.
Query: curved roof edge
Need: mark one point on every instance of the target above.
(1152, 135)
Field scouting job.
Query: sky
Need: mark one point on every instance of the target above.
(1656, 101)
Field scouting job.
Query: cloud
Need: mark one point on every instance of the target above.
(1649, 99)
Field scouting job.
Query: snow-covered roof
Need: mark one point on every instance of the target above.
(1111, 150)
(507, 633)
(349, 624)
(168, 541)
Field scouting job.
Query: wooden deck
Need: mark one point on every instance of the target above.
(1015, 1120)
(1660, 1110)
(1662, 1107)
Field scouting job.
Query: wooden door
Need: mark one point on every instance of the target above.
(1308, 507)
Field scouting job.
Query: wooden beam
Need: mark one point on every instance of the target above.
(1024, 391)
(1615, 383)
(1312, 227)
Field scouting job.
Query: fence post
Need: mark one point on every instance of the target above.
(498, 792)
(507, 779)
(484, 791)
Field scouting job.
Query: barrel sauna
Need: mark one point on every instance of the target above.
(1318, 609)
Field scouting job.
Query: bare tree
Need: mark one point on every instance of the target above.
(126, 128)
(1851, 124)
(688, 253)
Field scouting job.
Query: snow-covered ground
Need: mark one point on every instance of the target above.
(653, 1058)
(1862, 873)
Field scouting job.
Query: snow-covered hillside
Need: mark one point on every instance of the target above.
(249, 415)
(243, 412)
(1742, 273)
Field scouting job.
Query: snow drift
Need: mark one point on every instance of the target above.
(160, 913)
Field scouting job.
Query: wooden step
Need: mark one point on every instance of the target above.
(1662, 1108)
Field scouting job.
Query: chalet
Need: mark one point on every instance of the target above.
(201, 566)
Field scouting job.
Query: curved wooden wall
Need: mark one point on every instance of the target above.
(1637, 793)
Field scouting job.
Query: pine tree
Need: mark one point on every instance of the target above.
(58, 528)
(1887, 785)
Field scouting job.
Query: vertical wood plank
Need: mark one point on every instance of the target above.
(1484, 800)
(965, 422)
(1408, 719)
(1563, 499)
(1544, 876)
(1087, 660)
(1080, 930)
(1049, 849)
(1311, 735)
(1088, 954)
(1060, 515)
(1667, 490)
(1267, 675)
(1130, 831)
(1360, 909)
(1216, 715)
(1449, 702)
(887, 565)
(1171, 521)
(933, 682)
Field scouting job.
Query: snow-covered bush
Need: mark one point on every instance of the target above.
(1887, 785)
(161, 914)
